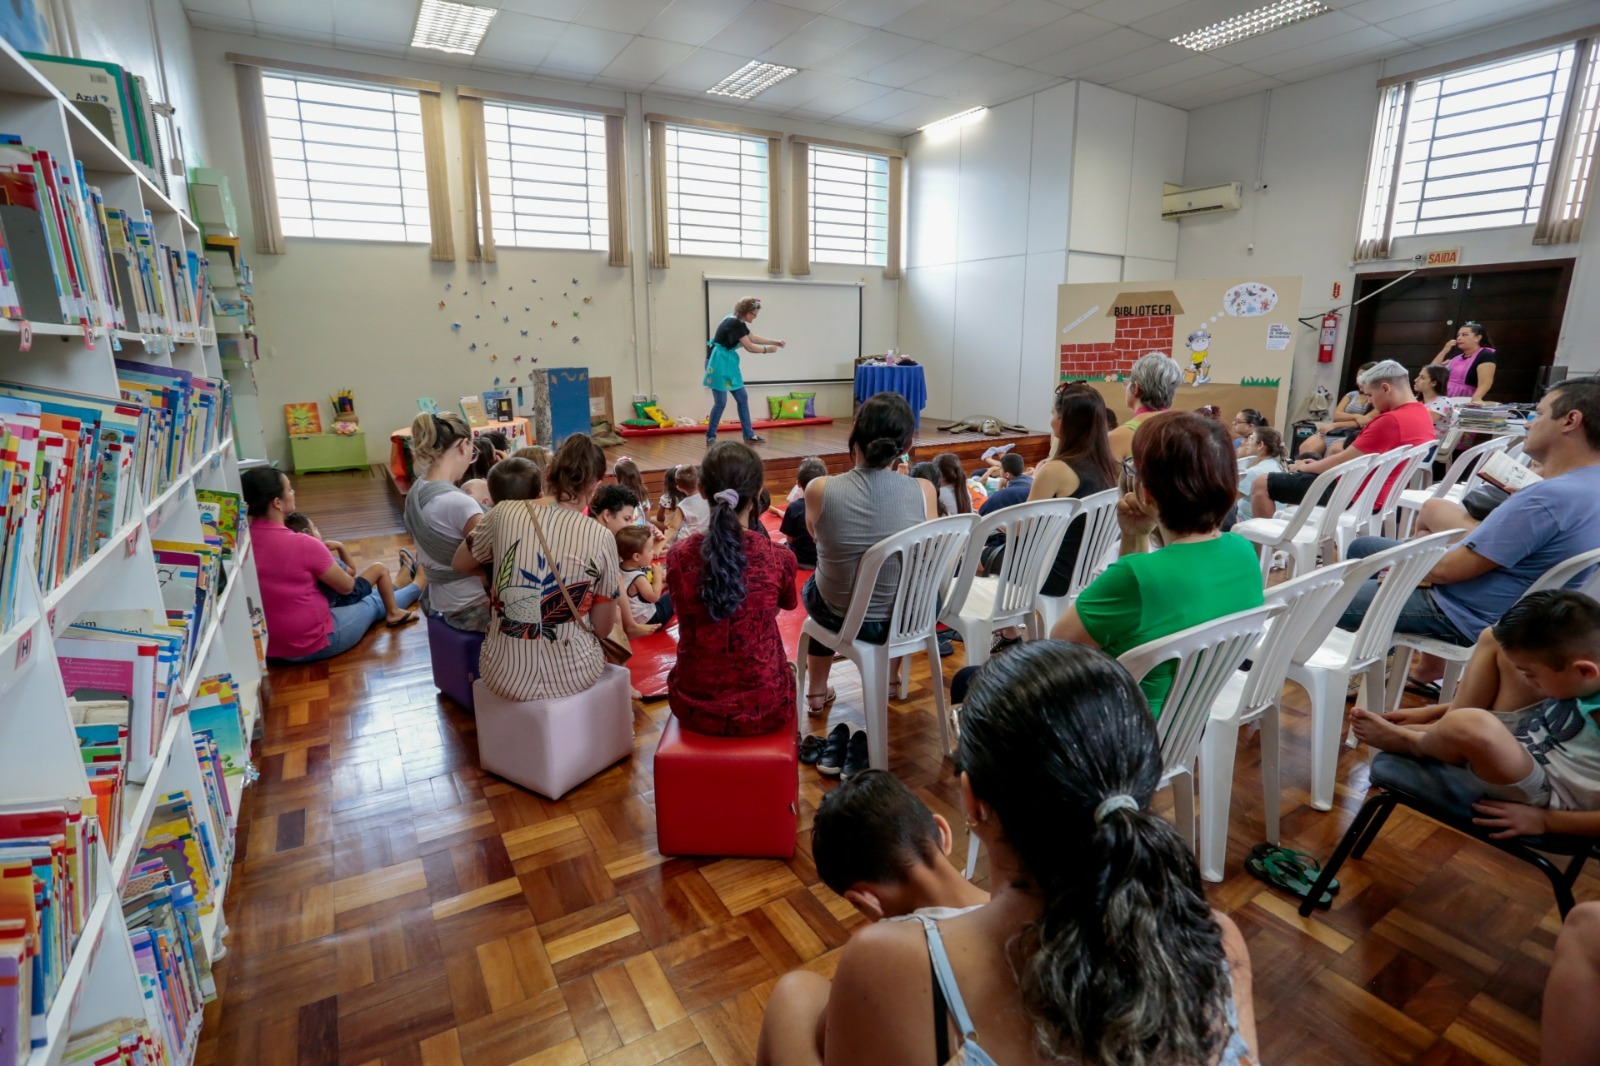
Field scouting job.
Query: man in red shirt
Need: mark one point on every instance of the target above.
(1401, 422)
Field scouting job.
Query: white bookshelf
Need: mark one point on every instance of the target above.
(39, 758)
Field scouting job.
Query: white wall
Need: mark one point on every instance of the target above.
(1301, 152)
(1063, 185)
(365, 315)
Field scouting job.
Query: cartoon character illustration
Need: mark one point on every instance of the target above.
(1199, 351)
(531, 611)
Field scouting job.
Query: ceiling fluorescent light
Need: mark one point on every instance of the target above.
(751, 80)
(1264, 19)
(449, 27)
(971, 112)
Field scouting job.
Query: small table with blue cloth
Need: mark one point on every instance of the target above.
(906, 380)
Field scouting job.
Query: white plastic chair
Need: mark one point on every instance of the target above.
(1303, 531)
(1367, 517)
(980, 605)
(1322, 666)
(928, 554)
(1206, 656)
(1100, 536)
(1452, 486)
(1254, 694)
(1456, 656)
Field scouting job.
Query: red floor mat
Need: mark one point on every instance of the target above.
(654, 656)
(726, 427)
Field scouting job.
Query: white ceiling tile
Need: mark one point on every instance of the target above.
(380, 48)
(1224, 95)
(759, 27)
(847, 97)
(584, 50)
(802, 88)
(560, 10)
(375, 20)
(889, 105)
(627, 85)
(311, 17)
(931, 18)
(1069, 61)
(815, 41)
(875, 13)
(1298, 35)
(1376, 11)
(302, 34)
(221, 22)
(1368, 40)
(624, 16)
(1076, 28)
(1179, 93)
(1169, 74)
(869, 53)
(1455, 19)
(1126, 12)
(694, 21)
(233, 9)
(519, 42)
(922, 114)
(645, 59)
(816, 7)
(1143, 61)
(964, 76)
(1019, 81)
(703, 69)
(914, 65)
(1002, 24)
(1191, 16)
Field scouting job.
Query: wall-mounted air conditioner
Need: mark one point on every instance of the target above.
(1177, 202)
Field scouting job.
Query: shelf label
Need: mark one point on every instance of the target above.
(25, 333)
(116, 342)
(88, 334)
(131, 545)
(50, 620)
(24, 648)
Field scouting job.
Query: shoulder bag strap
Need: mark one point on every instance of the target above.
(544, 546)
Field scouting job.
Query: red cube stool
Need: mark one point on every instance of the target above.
(730, 796)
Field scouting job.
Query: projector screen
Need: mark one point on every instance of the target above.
(820, 321)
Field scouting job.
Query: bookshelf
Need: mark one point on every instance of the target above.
(40, 757)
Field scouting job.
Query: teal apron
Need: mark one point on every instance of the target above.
(722, 369)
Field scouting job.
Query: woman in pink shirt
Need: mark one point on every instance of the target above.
(292, 567)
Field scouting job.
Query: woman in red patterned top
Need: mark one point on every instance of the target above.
(732, 677)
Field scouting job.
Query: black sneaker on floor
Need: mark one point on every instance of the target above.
(1003, 644)
(856, 760)
(811, 749)
(946, 649)
(834, 751)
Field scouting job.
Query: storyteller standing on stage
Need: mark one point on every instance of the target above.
(722, 366)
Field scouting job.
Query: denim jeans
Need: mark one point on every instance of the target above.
(1420, 615)
(351, 623)
(871, 632)
(719, 402)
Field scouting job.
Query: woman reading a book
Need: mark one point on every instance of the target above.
(293, 568)
(439, 516)
(722, 366)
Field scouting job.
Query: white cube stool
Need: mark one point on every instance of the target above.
(552, 746)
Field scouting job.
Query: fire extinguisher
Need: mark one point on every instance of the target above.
(1330, 331)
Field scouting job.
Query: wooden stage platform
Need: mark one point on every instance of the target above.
(784, 448)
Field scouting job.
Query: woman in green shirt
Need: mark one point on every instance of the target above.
(1186, 484)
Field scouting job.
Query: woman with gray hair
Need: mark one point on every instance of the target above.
(1400, 422)
(1151, 387)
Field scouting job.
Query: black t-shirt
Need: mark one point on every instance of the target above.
(730, 331)
(1486, 356)
(793, 526)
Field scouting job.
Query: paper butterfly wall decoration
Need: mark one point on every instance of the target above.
(505, 318)
(574, 281)
(588, 299)
(441, 305)
(473, 347)
(574, 340)
(455, 325)
(524, 333)
(447, 286)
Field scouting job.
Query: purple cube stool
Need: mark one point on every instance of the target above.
(455, 659)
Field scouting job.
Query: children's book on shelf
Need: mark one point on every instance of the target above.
(103, 741)
(17, 948)
(101, 665)
(472, 410)
(181, 838)
(215, 710)
(119, 1042)
(174, 969)
(223, 511)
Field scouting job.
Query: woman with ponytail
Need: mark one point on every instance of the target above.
(847, 514)
(728, 583)
(1097, 946)
(439, 516)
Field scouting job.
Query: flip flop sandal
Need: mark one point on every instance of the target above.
(1290, 877)
(1423, 688)
(408, 562)
(1309, 862)
(827, 701)
(811, 749)
(407, 620)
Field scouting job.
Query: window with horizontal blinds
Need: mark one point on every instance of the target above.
(716, 193)
(348, 159)
(547, 176)
(848, 195)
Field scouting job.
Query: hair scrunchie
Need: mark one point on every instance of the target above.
(1111, 804)
(727, 496)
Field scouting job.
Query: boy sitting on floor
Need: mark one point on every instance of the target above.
(880, 848)
(1534, 771)
(374, 576)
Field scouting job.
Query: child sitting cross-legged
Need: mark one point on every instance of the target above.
(649, 603)
(374, 576)
(793, 526)
(885, 853)
(1530, 772)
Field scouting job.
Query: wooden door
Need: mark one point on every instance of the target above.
(1519, 304)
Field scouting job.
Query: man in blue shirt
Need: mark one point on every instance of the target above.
(1014, 485)
(1537, 527)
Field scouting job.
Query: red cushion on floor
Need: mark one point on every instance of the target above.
(726, 427)
(732, 796)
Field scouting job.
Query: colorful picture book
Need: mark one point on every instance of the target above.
(302, 419)
(472, 410)
(221, 512)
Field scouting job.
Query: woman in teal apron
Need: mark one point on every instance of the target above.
(722, 366)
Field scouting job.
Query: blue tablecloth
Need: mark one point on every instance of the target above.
(906, 380)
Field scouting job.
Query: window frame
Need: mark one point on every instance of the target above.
(751, 142)
(596, 199)
(871, 234)
(409, 169)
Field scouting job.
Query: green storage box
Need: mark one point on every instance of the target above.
(328, 451)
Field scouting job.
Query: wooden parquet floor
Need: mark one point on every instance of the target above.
(393, 904)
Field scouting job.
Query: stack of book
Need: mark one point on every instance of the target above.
(50, 861)
(220, 515)
(1478, 418)
(216, 714)
(190, 581)
(129, 656)
(191, 414)
(162, 910)
(117, 102)
(104, 741)
(119, 1042)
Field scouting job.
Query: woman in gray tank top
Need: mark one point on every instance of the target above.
(848, 514)
(439, 516)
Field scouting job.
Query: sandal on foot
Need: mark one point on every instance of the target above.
(407, 620)
(827, 699)
(1423, 688)
(1286, 869)
(408, 563)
